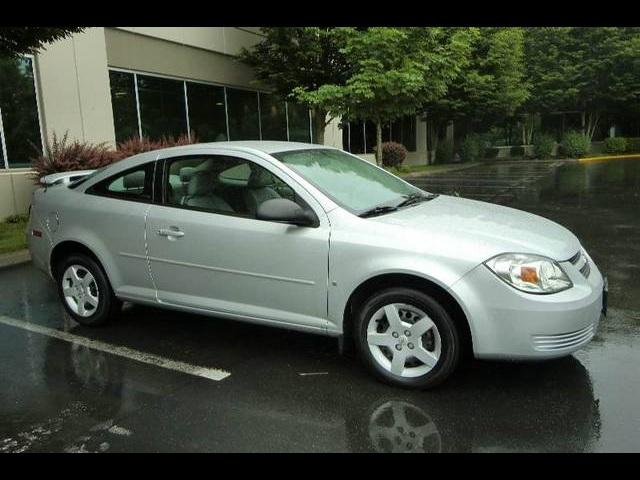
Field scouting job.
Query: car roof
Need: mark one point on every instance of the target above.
(249, 146)
(264, 146)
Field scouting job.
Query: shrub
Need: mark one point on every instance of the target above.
(633, 145)
(393, 154)
(543, 146)
(444, 151)
(517, 151)
(491, 152)
(17, 218)
(60, 155)
(615, 145)
(136, 145)
(471, 148)
(576, 144)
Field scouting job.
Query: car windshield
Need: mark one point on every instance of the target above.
(353, 183)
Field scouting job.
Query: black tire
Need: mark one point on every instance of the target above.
(108, 304)
(451, 344)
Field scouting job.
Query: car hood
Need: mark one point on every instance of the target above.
(482, 230)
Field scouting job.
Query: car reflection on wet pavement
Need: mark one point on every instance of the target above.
(61, 396)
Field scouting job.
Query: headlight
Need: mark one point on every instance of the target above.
(530, 273)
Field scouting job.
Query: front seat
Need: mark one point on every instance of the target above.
(200, 194)
(259, 189)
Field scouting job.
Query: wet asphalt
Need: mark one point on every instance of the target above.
(292, 392)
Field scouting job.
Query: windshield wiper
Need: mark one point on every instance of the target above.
(379, 210)
(414, 198)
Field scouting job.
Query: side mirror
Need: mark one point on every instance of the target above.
(285, 211)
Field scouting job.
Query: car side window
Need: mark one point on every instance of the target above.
(222, 184)
(134, 184)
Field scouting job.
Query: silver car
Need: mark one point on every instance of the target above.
(311, 238)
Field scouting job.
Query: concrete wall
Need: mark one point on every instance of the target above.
(225, 40)
(143, 53)
(74, 97)
(16, 186)
(74, 91)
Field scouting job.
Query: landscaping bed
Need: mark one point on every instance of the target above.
(12, 234)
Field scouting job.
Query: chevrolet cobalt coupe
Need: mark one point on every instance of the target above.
(311, 238)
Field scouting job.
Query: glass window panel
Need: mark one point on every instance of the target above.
(223, 184)
(123, 101)
(207, 117)
(315, 120)
(409, 132)
(135, 184)
(396, 131)
(242, 106)
(19, 111)
(2, 162)
(273, 117)
(298, 123)
(370, 137)
(403, 131)
(386, 132)
(162, 108)
(345, 137)
(357, 137)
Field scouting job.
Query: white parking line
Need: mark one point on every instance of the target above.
(149, 358)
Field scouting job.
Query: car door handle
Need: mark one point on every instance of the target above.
(170, 232)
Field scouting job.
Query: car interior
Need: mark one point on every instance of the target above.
(223, 185)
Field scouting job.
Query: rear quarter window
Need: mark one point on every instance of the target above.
(135, 184)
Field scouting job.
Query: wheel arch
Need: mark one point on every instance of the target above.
(68, 247)
(408, 280)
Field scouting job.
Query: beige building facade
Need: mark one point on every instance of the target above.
(108, 84)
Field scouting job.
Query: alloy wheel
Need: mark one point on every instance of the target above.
(80, 290)
(404, 340)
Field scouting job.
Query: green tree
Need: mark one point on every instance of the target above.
(307, 57)
(589, 69)
(15, 41)
(492, 85)
(392, 72)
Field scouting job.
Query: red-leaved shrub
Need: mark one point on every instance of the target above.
(393, 154)
(61, 155)
(136, 145)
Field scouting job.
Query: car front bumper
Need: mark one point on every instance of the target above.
(509, 324)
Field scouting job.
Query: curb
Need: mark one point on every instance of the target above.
(428, 174)
(608, 157)
(14, 258)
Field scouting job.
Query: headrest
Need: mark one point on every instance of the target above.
(260, 178)
(186, 173)
(134, 180)
(201, 183)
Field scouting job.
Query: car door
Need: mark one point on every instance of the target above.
(115, 209)
(207, 251)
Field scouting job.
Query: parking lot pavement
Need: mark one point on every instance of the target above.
(499, 182)
(289, 391)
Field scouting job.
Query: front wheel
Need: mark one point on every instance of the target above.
(407, 338)
(85, 290)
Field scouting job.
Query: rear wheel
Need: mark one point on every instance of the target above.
(407, 338)
(85, 290)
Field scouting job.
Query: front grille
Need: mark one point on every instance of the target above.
(553, 343)
(581, 262)
(586, 270)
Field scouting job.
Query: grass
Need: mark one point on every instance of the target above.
(12, 236)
